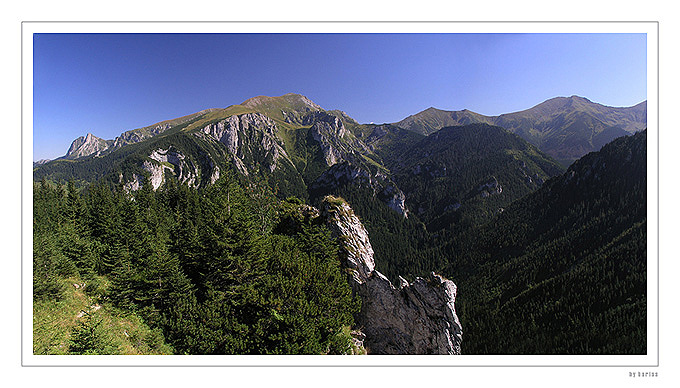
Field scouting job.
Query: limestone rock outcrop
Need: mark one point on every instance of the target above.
(416, 318)
(249, 138)
(86, 146)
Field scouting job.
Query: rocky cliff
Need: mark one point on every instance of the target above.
(87, 145)
(250, 139)
(415, 318)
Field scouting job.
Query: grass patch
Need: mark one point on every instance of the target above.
(83, 323)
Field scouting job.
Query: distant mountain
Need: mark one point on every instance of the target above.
(87, 145)
(39, 162)
(563, 270)
(565, 128)
(432, 119)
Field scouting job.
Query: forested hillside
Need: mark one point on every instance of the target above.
(215, 271)
(563, 270)
(464, 175)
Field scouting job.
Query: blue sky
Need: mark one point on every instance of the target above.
(109, 83)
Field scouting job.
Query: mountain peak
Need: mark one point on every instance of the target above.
(86, 145)
(290, 100)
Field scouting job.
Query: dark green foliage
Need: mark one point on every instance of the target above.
(465, 175)
(87, 338)
(402, 246)
(46, 259)
(203, 266)
(563, 270)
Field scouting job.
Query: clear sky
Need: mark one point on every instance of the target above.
(106, 84)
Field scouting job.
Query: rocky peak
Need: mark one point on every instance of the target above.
(328, 130)
(40, 162)
(416, 318)
(85, 146)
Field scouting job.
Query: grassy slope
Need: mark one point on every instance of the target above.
(118, 332)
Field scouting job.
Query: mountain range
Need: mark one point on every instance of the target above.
(565, 128)
(487, 201)
(418, 165)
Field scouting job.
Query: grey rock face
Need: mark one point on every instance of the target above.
(417, 318)
(249, 136)
(161, 160)
(156, 172)
(395, 199)
(182, 167)
(133, 185)
(135, 136)
(342, 174)
(383, 187)
(357, 249)
(328, 130)
(85, 146)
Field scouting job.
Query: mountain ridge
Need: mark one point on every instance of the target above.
(566, 128)
(89, 144)
(289, 109)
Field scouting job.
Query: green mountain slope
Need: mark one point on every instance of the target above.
(563, 270)
(565, 128)
(291, 143)
(466, 174)
(432, 119)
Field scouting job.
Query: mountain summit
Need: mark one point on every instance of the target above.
(291, 101)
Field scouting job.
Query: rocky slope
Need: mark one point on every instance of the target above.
(415, 318)
(249, 138)
(87, 145)
(288, 141)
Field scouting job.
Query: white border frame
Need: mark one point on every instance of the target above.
(649, 28)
